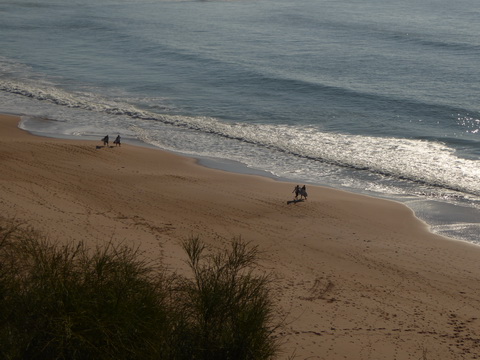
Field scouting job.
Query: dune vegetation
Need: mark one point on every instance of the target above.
(66, 301)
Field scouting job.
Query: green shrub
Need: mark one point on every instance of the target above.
(228, 313)
(61, 302)
(70, 302)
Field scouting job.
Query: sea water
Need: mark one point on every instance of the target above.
(379, 97)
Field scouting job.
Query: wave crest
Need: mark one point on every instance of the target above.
(421, 161)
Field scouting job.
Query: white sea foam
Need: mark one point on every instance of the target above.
(427, 162)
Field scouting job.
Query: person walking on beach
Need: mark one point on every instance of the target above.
(105, 140)
(117, 141)
(296, 191)
(303, 192)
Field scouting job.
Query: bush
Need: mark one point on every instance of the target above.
(227, 311)
(61, 302)
(70, 302)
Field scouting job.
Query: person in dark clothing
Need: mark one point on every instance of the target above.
(303, 192)
(296, 191)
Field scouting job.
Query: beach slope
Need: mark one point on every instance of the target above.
(357, 277)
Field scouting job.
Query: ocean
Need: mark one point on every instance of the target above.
(369, 96)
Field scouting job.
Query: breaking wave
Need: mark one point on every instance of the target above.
(422, 161)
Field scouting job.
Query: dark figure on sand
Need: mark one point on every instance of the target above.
(303, 192)
(117, 141)
(105, 140)
(296, 191)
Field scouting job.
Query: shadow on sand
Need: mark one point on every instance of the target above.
(295, 201)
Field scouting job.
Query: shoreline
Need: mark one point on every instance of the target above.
(445, 218)
(358, 277)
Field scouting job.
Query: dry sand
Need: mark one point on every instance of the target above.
(358, 277)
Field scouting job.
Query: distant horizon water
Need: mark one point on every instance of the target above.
(373, 97)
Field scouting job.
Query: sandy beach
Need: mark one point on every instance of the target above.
(357, 277)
